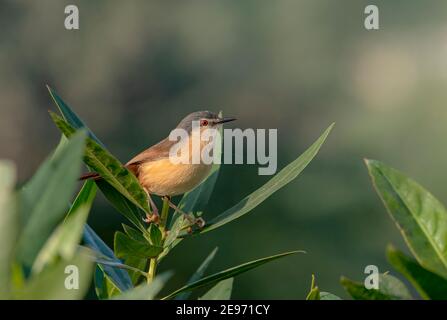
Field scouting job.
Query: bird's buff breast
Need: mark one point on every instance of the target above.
(164, 178)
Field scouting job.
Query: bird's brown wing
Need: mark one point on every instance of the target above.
(156, 152)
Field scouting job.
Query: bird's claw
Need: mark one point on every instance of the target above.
(200, 222)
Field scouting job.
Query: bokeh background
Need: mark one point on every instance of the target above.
(135, 68)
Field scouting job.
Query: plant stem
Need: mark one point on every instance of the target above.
(162, 225)
(164, 217)
(152, 269)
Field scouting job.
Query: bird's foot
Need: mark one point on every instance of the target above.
(200, 222)
(193, 221)
(155, 217)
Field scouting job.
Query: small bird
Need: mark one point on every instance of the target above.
(159, 175)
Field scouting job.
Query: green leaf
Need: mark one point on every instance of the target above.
(314, 293)
(358, 291)
(134, 234)
(221, 291)
(134, 261)
(44, 201)
(119, 277)
(228, 273)
(9, 225)
(146, 291)
(428, 284)
(137, 263)
(285, 176)
(109, 262)
(65, 239)
(393, 287)
(328, 296)
(156, 238)
(390, 288)
(128, 247)
(69, 115)
(17, 278)
(85, 197)
(172, 238)
(104, 286)
(108, 167)
(198, 274)
(50, 284)
(420, 217)
(124, 206)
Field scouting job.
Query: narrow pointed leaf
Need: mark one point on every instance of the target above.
(119, 276)
(420, 217)
(221, 291)
(228, 273)
(109, 168)
(104, 287)
(128, 209)
(198, 274)
(428, 284)
(282, 178)
(9, 225)
(69, 116)
(85, 197)
(172, 238)
(314, 293)
(390, 288)
(50, 284)
(108, 262)
(120, 202)
(146, 291)
(44, 202)
(65, 239)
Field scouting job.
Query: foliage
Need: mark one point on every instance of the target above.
(316, 294)
(37, 244)
(41, 232)
(422, 221)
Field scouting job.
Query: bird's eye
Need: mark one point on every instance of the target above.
(204, 123)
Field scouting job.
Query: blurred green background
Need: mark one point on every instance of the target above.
(135, 68)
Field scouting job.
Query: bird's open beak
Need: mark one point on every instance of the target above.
(223, 120)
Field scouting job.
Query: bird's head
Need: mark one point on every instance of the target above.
(205, 119)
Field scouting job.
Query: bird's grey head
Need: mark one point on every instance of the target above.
(204, 119)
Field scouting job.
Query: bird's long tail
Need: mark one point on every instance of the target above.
(90, 175)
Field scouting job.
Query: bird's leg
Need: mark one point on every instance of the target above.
(155, 215)
(192, 220)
